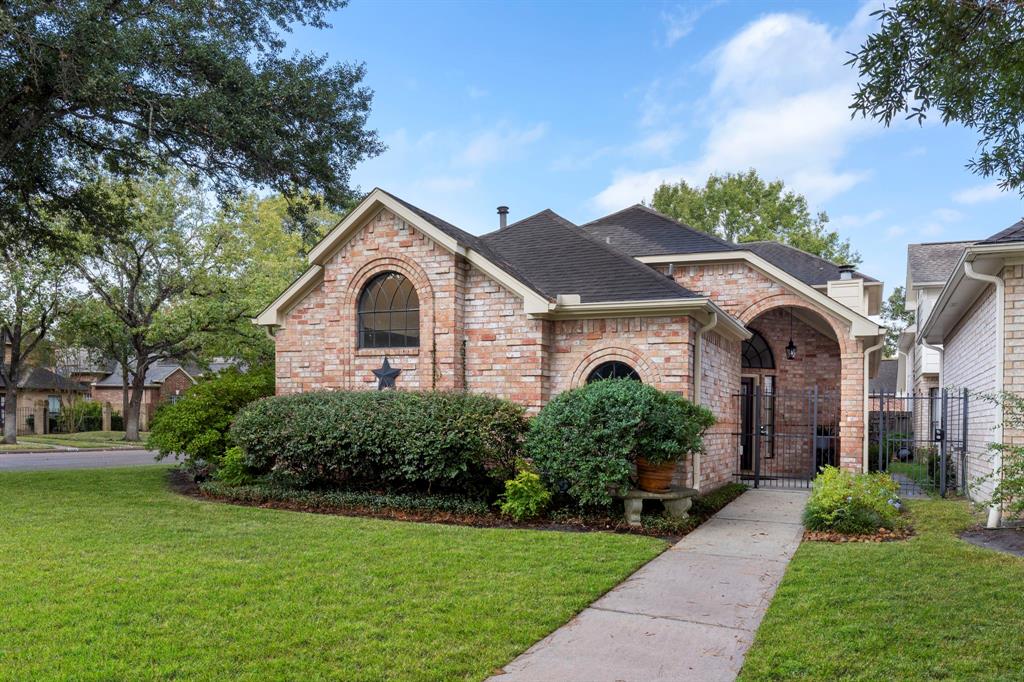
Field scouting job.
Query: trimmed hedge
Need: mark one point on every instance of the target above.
(585, 441)
(395, 439)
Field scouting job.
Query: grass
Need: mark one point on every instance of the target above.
(22, 446)
(108, 575)
(932, 607)
(915, 471)
(87, 440)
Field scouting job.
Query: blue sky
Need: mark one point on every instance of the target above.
(585, 108)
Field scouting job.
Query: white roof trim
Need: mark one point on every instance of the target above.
(659, 307)
(273, 315)
(859, 324)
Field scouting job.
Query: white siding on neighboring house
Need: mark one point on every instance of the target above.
(970, 362)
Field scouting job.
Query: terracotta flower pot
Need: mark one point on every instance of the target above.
(654, 478)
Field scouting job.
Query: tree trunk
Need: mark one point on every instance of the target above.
(131, 416)
(11, 416)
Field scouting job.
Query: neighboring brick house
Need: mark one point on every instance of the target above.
(39, 384)
(978, 320)
(543, 305)
(164, 381)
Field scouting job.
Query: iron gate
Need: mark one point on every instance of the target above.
(785, 438)
(920, 439)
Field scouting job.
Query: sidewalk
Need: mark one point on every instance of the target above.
(690, 614)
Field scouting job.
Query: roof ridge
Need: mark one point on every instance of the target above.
(659, 214)
(953, 241)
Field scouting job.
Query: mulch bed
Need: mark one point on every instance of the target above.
(883, 535)
(183, 484)
(1007, 540)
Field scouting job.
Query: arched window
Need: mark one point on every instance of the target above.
(757, 354)
(389, 313)
(612, 369)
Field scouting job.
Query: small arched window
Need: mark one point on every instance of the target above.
(612, 369)
(389, 313)
(757, 354)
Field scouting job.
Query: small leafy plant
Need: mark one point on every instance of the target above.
(852, 503)
(525, 496)
(231, 469)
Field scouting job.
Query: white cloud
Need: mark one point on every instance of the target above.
(978, 194)
(947, 215)
(850, 222)
(681, 20)
(932, 230)
(778, 102)
(657, 143)
(499, 143)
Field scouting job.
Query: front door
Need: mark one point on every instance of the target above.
(747, 424)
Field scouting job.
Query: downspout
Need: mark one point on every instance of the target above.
(697, 373)
(995, 512)
(867, 400)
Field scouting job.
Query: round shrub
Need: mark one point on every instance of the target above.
(390, 439)
(196, 426)
(852, 503)
(585, 440)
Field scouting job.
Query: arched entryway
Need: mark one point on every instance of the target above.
(791, 371)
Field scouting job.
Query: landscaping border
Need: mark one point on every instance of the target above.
(567, 521)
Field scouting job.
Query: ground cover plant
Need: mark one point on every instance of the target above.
(932, 607)
(124, 579)
(852, 503)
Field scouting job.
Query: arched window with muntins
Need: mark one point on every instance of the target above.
(389, 313)
(613, 369)
(757, 354)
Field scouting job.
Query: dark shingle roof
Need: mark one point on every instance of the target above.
(642, 231)
(933, 262)
(885, 382)
(1014, 233)
(42, 379)
(806, 267)
(155, 374)
(560, 258)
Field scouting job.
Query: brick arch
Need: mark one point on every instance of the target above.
(761, 306)
(593, 357)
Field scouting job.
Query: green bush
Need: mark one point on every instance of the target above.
(585, 440)
(336, 500)
(852, 503)
(394, 439)
(196, 426)
(231, 469)
(81, 415)
(525, 496)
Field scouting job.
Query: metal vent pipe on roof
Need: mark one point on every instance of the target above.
(502, 217)
(845, 271)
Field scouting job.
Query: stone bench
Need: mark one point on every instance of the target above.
(676, 500)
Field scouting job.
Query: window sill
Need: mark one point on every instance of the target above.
(390, 352)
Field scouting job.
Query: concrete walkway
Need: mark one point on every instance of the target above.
(690, 614)
(80, 459)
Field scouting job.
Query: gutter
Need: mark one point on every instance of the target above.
(995, 512)
(697, 375)
(867, 400)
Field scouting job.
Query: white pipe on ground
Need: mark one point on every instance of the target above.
(995, 512)
(698, 356)
(867, 400)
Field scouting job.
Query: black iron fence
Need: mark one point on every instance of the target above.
(785, 438)
(920, 439)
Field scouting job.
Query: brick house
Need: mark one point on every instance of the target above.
(976, 324)
(543, 305)
(165, 381)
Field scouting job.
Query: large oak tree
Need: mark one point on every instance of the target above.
(201, 85)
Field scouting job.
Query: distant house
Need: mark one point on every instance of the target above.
(164, 381)
(38, 384)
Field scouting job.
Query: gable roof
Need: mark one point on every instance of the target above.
(156, 374)
(933, 262)
(885, 380)
(806, 267)
(641, 231)
(1014, 233)
(42, 379)
(559, 258)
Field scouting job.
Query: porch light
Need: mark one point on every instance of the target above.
(791, 347)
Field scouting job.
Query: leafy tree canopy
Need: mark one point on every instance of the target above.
(896, 318)
(742, 207)
(199, 85)
(964, 60)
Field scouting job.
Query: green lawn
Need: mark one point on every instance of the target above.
(933, 607)
(915, 471)
(89, 440)
(105, 574)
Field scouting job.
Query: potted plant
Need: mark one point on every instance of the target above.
(675, 430)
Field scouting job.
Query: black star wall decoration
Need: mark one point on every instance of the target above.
(386, 375)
